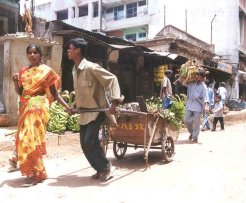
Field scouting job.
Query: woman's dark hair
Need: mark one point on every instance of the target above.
(79, 43)
(35, 47)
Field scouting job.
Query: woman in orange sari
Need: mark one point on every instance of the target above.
(37, 86)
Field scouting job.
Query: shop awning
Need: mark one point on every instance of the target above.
(118, 46)
(170, 56)
(162, 53)
(224, 67)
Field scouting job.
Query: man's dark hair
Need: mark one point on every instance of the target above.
(218, 96)
(201, 73)
(168, 72)
(222, 84)
(79, 43)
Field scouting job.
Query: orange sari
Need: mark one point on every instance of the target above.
(33, 117)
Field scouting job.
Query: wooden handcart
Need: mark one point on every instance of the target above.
(140, 130)
(145, 130)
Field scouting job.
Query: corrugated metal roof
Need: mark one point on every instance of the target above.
(174, 57)
(95, 35)
(114, 42)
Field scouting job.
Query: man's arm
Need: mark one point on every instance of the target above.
(206, 99)
(58, 97)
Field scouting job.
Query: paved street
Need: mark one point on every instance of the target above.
(212, 171)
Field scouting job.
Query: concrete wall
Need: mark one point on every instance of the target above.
(56, 54)
(1, 73)
(14, 57)
(13, 60)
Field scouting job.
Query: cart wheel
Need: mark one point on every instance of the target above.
(167, 147)
(119, 149)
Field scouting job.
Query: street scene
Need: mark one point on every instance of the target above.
(123, 101)
(211, 171)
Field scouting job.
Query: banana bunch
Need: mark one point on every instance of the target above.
(72, 123)
(159, 73)
(65, 95)
(58, 119)
(69, 98)
(187, 72)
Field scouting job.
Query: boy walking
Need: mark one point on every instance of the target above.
(218, 113)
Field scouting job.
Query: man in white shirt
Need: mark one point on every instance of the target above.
(222, 92)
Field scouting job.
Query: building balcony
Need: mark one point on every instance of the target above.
(109, 3)
(123, 22)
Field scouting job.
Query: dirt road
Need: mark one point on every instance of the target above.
(212, 171)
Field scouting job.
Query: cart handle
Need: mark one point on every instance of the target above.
(119, 110)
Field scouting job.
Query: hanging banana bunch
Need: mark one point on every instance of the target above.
(159, 74)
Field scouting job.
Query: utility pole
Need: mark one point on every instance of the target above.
(164, 13)
(100, 7)
(211, 39)
(32, 7)
(185, 20)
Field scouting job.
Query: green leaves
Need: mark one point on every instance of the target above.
(175, 114)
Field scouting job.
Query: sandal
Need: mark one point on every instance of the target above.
(12, 163)
(32, 182)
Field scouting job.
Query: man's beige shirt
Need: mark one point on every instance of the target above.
(90, 84)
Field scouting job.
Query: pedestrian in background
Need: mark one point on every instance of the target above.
(218, 113)
(197, 102)
(222, 92)
(166, 90)
(90, 83)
